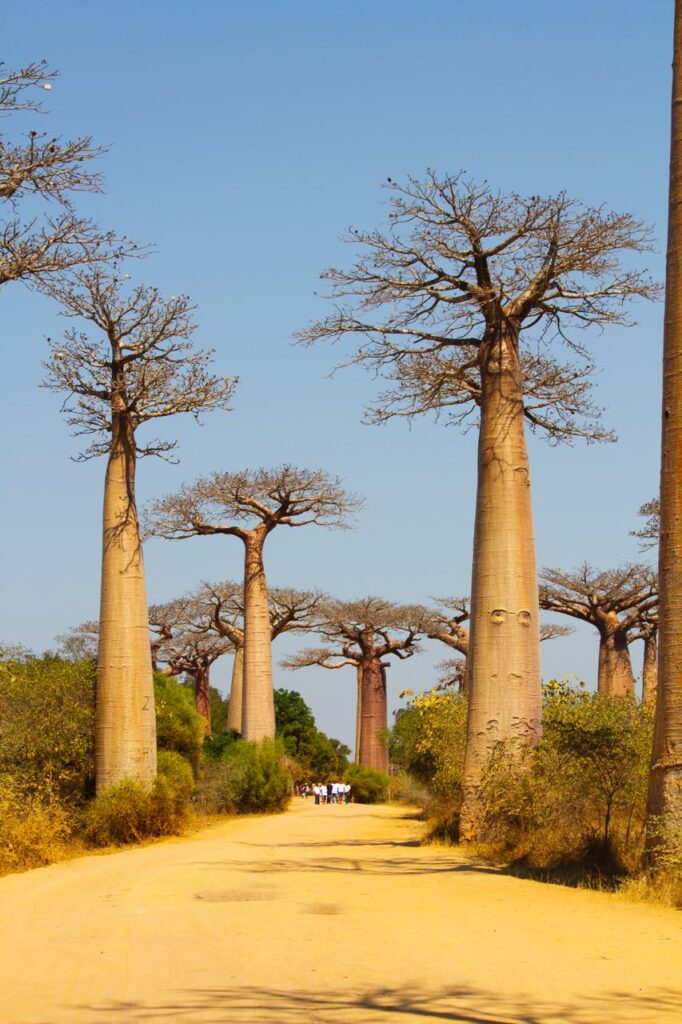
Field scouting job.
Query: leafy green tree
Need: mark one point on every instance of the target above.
(179, 726)
(317, 756)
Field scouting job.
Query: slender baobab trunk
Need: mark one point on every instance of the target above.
(358, 715)
(235, 703)
(504, 641)
(125, 742)
(373, 715)
(665, 782)
(615, 677)
(650, 668)
(258, 711)
(202, 696)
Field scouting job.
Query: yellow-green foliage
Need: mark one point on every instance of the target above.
(32, 827)
(427, 742)
(131, 811)
(179, 726)
(578, 800)
(247, 778)
(47, 723)
(368, 785)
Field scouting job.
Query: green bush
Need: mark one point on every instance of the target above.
(249, 778)
(575, 804)
(47, 723)
(130, 811)
(32, 827)
(179, 726)
(368, 786)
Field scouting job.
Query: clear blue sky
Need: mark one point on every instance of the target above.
(245, 138)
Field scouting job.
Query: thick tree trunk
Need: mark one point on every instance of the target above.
(258, 711)
(202, 696)
(650, 669)
(665, 782)
(235, 703)
(125, 735)
(615, 677)
(504, 640)
(373, 715)
(358, 715)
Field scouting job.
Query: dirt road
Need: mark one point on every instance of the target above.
(326, 914)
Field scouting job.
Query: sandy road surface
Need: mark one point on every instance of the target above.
(326, 914)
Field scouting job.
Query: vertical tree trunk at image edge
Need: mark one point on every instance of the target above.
(125, 744)
(235, 703)
(373, 716)
(258, 711)
(650, 669)
(615, 676)
(665, 782)
(504, 670)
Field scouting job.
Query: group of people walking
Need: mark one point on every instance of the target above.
(327, 792)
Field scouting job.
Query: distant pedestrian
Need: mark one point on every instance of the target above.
(347, 792)
(330, 791)
(316, 793)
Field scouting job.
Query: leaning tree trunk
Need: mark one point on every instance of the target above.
(358, 715)
(615, 676)
(258, 711)
(665, 780)
(650, 668)
(235, 703)
(202, 695)
(125, 732)
(504, 640)
(372, 752)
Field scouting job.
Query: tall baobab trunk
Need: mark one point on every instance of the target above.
(504, 642)
(202, 696)
(650, 668)
(358, 716)
(235, 703)
(665, 780)
(615, 677)
(125, 740)
(373, 715)
(258, 711)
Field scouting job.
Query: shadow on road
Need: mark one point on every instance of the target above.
(338, 865)
(456, 1005)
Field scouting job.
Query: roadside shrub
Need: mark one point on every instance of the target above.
(130, 811)
(576, 803)
(32, 828)
(368, 786)
(179, 726)
(47, 723)
(249, 778)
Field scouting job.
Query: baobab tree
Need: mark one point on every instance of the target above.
(185, 643)
(458, 304)
(138, 367)
(615, 602)
(250, 505)
(290, 611)
(364, 634)
(665, 784)
(40, 173)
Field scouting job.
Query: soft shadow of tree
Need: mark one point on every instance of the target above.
(458, 1005)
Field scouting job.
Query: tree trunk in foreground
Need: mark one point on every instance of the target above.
(202, 697)
(650, 669)
(615, 677)
(665, 781)
(258, 711)
(125, 732)
(235, 703)
(373, 716)
(503, 674)
(358, 715)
